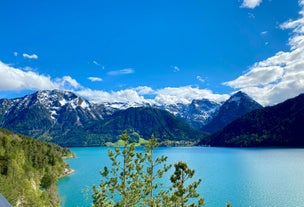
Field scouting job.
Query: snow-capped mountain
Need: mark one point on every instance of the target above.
(55, 103)
(236, 106)
(196, 114)
(67, 119)
(280, 125)
(47, 112)
(111, 107)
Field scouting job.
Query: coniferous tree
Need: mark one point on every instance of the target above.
(134, 180)
(121, 185)
(29, 170)
(154, 173)
(182, 192)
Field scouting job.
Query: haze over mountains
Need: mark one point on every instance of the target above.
(69, 120)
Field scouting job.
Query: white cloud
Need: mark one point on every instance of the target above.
(161, 96)
(199, 78)
(17, 79)
(251, 4)
(278, 77)
(122, 71)
(185, 95)
(96, 63)
(15, 54)
(258, 75)
(67, 83)
(98, 96)
(144, 90)
(95, 79)
(27, 56)
(264, 33)
(175, 68)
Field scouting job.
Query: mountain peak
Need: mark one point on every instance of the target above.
(240, 93)
(57, 98)
(237, 97)
(278, 125)
(237, 105)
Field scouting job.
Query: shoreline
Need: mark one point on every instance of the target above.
(67, 172)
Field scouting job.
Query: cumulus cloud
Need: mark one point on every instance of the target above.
(251, 4)
(67, 83)
(278, 77)
(95, 79)
(162, 96)
(122, 71)
(185, 95)
(144, 90)
(27, 56)
(17, 79)
(99, 96)
(258, 75)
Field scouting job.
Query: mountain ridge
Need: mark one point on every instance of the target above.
(69, 120)
(237, 105)
(275, 126)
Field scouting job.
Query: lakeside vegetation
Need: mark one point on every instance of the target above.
(29, 170)
(137, 140)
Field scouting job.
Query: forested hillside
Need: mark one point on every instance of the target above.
(29, 170)
(147, 121)
(280, 126)
(66, 119)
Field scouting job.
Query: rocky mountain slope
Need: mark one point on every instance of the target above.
(44, 112)
(69, 120)
(237, 105)
(196, 114)
(279, 125)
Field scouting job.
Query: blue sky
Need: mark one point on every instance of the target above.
(160, 51)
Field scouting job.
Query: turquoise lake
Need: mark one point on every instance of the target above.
(245, 177)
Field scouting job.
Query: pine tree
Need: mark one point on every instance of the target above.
(121, 185)
(151, 175)
(134, 180)
(183, 193)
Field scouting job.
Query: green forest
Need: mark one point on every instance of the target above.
(29, 170)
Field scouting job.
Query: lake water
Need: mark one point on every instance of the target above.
(245, 177)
